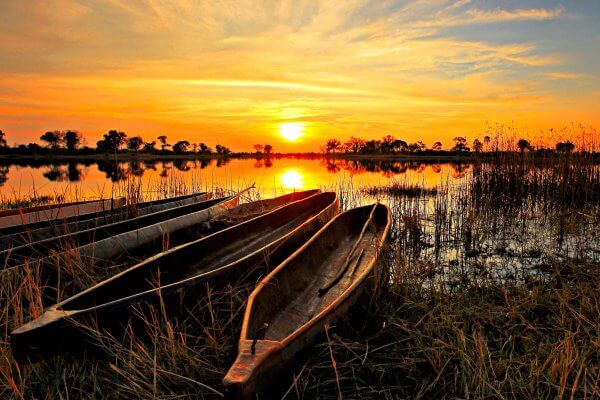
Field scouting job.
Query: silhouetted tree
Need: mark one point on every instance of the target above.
(523, 144)
(477, 145)
(333, 146)
(204, 149)
(437, 146)
(371, 147)
(113, 140)
(181, 146)
(52, 138)
(387, 144)
(258, 148)
(163, 142)
(149, 147)
(415, 147)
(2, 139)
(460, 145)
(354, 145)
(399, 146)
(72, 139)
(268, 149)
(222, 149)
(134, 143)
(565, 147)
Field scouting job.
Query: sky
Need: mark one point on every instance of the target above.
(243, 72)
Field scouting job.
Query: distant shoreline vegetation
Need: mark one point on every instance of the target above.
(117, 145)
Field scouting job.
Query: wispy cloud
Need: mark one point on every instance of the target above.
(234, 67)
(498, 15)
(455, 16)
(563, 75)
(293, 86)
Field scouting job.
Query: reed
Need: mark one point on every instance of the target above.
(493, 294)
(399, 188)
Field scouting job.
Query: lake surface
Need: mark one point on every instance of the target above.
(90, 179)
(461, 231)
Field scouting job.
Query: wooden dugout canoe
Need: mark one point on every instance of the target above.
(15, 218)
(313, 287)
(151, 240)
(31, 234)
(17, 255)
(236, 253)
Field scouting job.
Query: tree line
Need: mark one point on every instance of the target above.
(390, 145)
(113, 141)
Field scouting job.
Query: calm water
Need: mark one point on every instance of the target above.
(442, 232)
(93, 179)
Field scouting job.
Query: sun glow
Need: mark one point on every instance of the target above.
(291, 179)
(291, 130)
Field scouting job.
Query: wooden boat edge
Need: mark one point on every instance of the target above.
(14, 211)
(203, 197)
(150, 259)
(327, 310)
(249, 365)
(75, 251)
(54, 310)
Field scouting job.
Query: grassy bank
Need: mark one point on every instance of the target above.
(493, 294)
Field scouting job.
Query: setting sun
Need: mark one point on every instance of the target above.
(291, 130)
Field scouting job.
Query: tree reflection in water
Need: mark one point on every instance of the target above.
(59, 173)
(115, 171)
(73, 171)
(3, 174)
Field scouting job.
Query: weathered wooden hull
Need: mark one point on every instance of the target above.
(25, 210)
(302, 295)
(43, 214)
(41, 248)
(150, 240)
(235, 254)
(62, 227)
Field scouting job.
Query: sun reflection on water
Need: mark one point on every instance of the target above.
(291, 179)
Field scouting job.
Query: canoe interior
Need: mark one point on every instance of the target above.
(203, 255)
(253, 209)
(290, 298)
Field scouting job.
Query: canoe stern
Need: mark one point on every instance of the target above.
(30, 341)
(251, 372)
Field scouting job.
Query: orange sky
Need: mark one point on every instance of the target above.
(234, 72)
